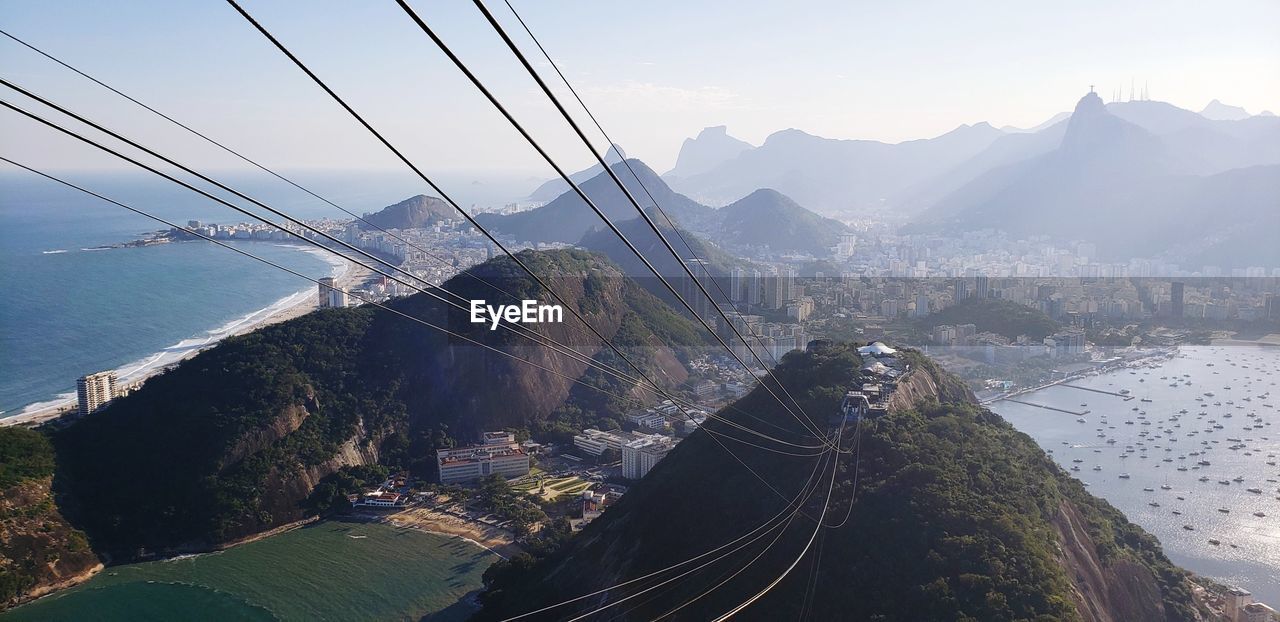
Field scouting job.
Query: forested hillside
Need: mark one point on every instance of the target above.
(995, 315)
(233, 441)
(952, 515)
(38, 549)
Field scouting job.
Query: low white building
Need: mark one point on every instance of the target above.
(382, 499)
(594, 442)
(648, 419)
(500, 454)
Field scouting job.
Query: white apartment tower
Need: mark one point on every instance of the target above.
(640, 455)
(95, 390)
(329, 294)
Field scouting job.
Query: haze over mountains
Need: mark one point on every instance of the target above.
(766, 221)
(828, 175)
(711, 147)
(553, 188)
(1138, 178)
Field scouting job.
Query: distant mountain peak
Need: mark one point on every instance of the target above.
(636, 166)
(1219, 111)
(769, 194)
(981, 128)
(555, 187)
(1090, 104)
(1051, 121)
(788, 134)
(712, 147)
(615, 153)
(1092, 127)
(412, 213)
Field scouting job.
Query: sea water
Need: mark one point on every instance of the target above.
(1236, 430)
(70, 308)
(331, 570)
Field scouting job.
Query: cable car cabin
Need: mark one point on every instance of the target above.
(856, 405)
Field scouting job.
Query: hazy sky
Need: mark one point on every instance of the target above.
(654, 72)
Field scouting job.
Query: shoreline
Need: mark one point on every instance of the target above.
(499, 546)
(1159, 352)
(1203, 564)
(137, 372)
(496, 540)
(50, 589)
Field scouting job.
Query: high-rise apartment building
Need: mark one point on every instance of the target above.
(755, 288)
(922, 305)
(982, 287)
(738, 285)
(641, 454)
(95, 390)
(329, 294)
(787, 286)
(1176, 301)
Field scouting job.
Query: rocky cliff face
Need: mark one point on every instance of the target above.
(923, 385)
(1103, 591)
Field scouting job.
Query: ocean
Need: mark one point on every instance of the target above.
(67, 310)
(1231, 421)
(329, 570)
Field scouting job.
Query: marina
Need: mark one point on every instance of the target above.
(1123, 396)
(1046, 407)
(1193, 463)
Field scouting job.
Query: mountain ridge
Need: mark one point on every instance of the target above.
(236, 440)
(710, 148)
(834, 176)
(416, 212)
(764, 218)
(555, 187)
(957, 516)
(1108, 171)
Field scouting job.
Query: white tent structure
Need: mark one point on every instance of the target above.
(877, 349)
